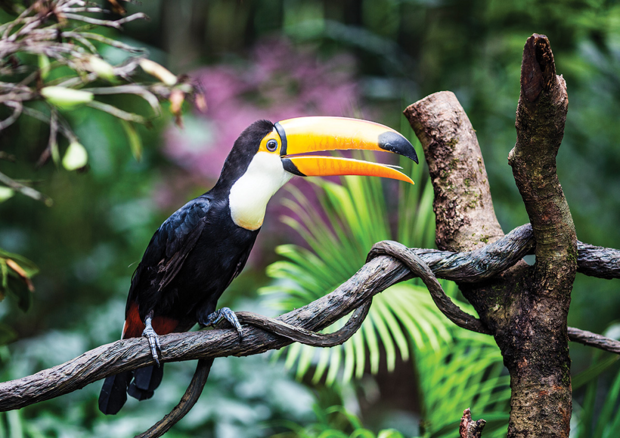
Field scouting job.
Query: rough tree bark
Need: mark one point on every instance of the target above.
(526, 307)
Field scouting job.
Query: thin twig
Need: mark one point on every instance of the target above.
(24, 190)
(107, 23)
(52, 144)
(63, 125)
(108, 41)
(129, 89)
(17, 111)
(116, 112)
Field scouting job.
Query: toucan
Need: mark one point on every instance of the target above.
(198, 251)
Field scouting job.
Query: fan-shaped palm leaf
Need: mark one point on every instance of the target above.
(457, 369)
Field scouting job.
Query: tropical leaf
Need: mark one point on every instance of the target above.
(457, 368)
(596, 420)
(468, 372)
(335, 422)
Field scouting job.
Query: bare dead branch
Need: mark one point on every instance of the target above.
(509, 303)
(463, 205)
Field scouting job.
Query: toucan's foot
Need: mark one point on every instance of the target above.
(150, 334)
(224, 313)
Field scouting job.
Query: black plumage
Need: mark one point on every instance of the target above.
(189, 262)
(203, 246)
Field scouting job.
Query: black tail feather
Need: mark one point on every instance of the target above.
(142, 387)
(146, 380)
(114, 393)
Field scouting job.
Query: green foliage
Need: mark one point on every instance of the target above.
(355, 218)
(457, 369)
(598, 413)
(51, 52)
(16, 273)
(335, 422)
(466, 372)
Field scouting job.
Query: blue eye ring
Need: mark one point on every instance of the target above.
(272, 145)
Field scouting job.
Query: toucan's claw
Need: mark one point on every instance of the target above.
(224, 313)
(150, 334)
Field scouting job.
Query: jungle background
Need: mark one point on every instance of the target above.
(408, 371)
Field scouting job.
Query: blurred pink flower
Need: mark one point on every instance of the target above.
(278, 82)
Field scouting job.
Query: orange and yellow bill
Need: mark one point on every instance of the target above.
(311, 134)
(316, 165)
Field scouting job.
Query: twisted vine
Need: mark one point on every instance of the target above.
(388, 263)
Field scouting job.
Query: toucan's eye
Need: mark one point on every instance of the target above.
(272, 145)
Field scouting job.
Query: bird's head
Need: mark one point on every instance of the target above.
(267, 155)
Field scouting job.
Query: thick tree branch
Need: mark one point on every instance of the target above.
(421, 269)
(597, 261)
(463, 205)
(266, 333)
(524, 307)
(538, 359)
(593, 340)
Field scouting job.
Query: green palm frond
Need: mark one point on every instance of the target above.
(468, 372)
(457, 369)
(354, 217)
(335, 422)
(596, 420)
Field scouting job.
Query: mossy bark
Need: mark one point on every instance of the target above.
(526, 307)
(540, 369)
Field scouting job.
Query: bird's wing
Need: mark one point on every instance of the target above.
(240, 264)
(171, 244)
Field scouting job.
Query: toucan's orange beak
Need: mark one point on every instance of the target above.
(311, 134)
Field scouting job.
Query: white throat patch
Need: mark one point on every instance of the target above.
(249, 195)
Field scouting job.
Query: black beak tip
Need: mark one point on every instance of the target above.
(396, 143)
